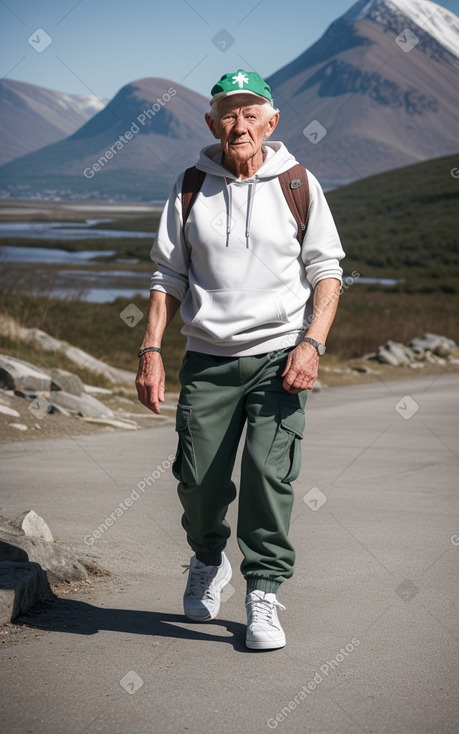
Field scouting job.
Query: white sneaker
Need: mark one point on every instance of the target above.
(263, 628)
(201, 600)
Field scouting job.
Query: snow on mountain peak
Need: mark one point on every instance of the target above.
(84, 104)
(432, 18)
(441, 24)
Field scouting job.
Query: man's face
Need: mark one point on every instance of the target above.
(241, 127)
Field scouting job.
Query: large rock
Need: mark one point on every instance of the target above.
(10, 328)
(84, 405)
(439, 345)
(67, 381)
(402, 354)
(22, 585)
(429, 347)
(384, 356)
(33, 526)
(17, 374)
(83, 359)
(58, 561)
(393, 353)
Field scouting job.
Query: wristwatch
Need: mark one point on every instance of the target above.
(321, 348)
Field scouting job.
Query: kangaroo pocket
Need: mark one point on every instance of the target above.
(226, 313)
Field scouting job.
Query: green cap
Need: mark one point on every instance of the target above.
(241, 82)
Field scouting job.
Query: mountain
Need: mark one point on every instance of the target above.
(133, 149)
(32, 117)
(377, 92)
(382, 82)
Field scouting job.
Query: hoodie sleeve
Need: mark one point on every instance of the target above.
(321, 250)
(170, 251)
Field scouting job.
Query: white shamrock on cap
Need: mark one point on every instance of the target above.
(240, 79)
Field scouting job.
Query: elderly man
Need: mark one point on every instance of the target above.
(248, 291)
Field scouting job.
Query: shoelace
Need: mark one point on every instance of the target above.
(200, 581)
(262, 609)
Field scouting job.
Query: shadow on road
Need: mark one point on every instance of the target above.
(80, 618)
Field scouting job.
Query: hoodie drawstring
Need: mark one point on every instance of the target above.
(251, 190)
(250, 198)
(229, 211)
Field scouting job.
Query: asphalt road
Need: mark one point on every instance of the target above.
(371, 618)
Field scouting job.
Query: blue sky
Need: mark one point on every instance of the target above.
(97, 46)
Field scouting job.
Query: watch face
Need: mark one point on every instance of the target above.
(321, 349)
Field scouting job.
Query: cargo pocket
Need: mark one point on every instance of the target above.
(285, 453)
(184, 466)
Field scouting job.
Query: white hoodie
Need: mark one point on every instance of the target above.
(243, 279)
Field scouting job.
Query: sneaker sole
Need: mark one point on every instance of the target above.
(265, 644)
(221, 585)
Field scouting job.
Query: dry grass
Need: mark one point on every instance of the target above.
(365, 320)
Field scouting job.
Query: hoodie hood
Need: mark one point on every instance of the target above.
(277, 160)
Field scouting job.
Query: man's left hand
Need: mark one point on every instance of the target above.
(302, 368)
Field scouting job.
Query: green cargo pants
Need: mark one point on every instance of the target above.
(219, 396)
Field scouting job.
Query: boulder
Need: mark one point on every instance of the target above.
(77, 355)
(426, 348)
(432, 358)
(409, 352)
(17, 374)
(59, 409)
(395, 353)
(33, 526)
(66, 381)
(59, 562)
(9, 327)
(443, 350)
(84, 405)
(22, 585)
(386, 356)
(439, 345)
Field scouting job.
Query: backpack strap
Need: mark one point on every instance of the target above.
(295, 186)
(192, 181)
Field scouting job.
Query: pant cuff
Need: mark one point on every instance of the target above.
(257, 583)
(209, 558)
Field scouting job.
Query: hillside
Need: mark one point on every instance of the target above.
(32, 116)
(132, 150)
(403, 224)
(363, 99)
(383, 103)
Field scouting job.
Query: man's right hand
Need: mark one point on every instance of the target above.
(150, 381)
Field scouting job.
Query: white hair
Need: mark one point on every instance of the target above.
(266, 107)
